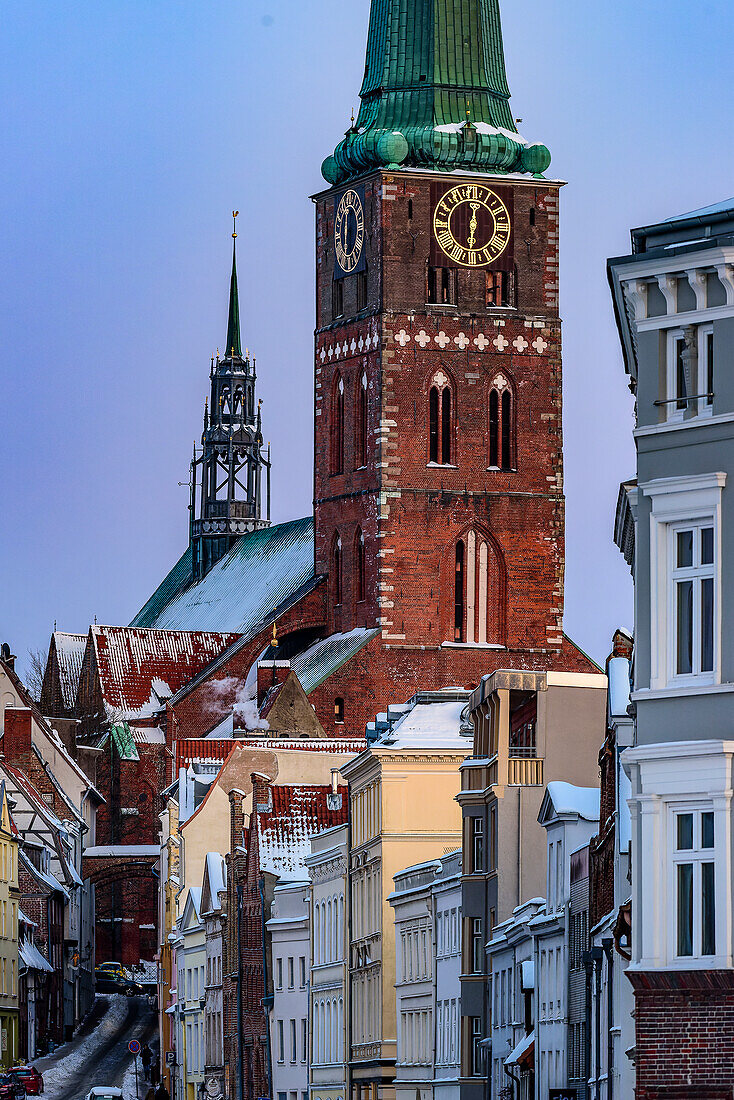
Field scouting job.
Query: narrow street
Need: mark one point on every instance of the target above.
(100, 1055)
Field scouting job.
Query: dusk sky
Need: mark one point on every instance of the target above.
(132, 128)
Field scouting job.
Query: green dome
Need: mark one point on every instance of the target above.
(431, 66)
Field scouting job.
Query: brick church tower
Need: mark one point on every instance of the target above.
(439, 508)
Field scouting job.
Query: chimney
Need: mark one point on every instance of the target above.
(270, 673)
(262, 801)
(17, 736)
(236, 820)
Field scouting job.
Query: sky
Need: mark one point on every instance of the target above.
(132, 128)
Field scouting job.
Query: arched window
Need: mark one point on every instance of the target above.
(336, 562)
(479, 591)
(337, 426)
(459, 592)
(440, 422)
(501, 433)
(360, 451)
(360, 590)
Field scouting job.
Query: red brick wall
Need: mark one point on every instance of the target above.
(684, 1034)
(411, 515)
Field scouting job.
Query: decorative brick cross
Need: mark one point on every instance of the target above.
(462, 341)
(520, 343)
(540, 345)
(442, 340)
(481, 341)
(423, 338)
(402, 337)
(501, 342)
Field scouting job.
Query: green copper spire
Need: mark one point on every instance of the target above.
(435, 94)
(234, 342)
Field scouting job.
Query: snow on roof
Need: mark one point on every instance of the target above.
(139, 670)
(431, 723)
(323, 658)
(20, 783)
(110, 851)
(215, 870)
(568, 799)
(49, 881)
(284, 831)
(522, 1050)
(32, 957)
(194, 750)
(619, 686)
(69, 656)
(261, 573)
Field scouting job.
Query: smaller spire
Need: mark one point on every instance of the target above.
(234, 344)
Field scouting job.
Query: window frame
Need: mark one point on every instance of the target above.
(688, 408)
(680, 503)
(697, 856)
(695, 575)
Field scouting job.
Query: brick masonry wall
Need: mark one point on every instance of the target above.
(412, 514)
(684, 1035)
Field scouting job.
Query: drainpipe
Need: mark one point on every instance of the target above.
(608, 948)
(267, 1005)
(240, 1044)
(347, 955)
(597, 955)
(588, 970)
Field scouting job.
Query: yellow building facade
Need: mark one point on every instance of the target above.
(9, 900)
(403, 811)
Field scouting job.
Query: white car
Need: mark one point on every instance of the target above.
(104, 1092)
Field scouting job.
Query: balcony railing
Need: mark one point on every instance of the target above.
(524, 772)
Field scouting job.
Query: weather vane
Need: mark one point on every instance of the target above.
(235, 215)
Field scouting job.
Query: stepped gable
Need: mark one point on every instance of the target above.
(139, 670)
(265, 570)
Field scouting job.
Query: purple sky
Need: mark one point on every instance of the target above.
(131, 130)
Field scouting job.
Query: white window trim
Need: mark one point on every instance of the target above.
(694, 410)
(696, 857)
(673, 414)
(677, 500)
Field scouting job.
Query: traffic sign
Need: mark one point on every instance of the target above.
(134, 1046)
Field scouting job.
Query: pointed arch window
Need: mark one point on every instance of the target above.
(361, 419)
(440, 421)
(501, 425)
(337, 426)
(336, 561)
(360, 588)
(478, 596)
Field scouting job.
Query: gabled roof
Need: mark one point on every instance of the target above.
(566, 800)
(139, 670)
(192, 908)
(262, 572)
(215, 883)
(294, 815)
(69, 650)
(322, 659)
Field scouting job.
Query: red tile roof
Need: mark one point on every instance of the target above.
(140, 669)
(295, 814)
(190, 749)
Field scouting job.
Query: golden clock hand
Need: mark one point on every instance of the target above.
(473, 225)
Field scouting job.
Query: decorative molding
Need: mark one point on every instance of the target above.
(699, 282)
(726, 278)
(668, 284)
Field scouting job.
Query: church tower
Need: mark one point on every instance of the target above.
(439, 503)
(226, 476)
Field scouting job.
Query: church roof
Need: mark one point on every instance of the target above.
(325, 657)
(432, 66)
(262, 573)
(69, 656)
(139, 670)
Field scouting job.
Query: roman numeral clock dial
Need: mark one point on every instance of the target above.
(349, 231)
(472, 225)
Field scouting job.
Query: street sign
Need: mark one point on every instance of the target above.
(170, 1057)
(134, 1046)
(563, 1094)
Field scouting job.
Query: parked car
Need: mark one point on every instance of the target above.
(11, 1088)
(108, 981)
(104, 1092)
(30, 1077)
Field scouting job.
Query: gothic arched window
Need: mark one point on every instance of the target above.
(337, 426)
(360, 451)
(501, 433)
(478, 591)
(440, 422)
(336, 562)
(360, 590)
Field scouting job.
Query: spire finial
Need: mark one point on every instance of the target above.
(233, 345)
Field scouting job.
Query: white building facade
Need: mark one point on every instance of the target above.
(327, 866)
(289, 929)
(213, 893)
(189, 941)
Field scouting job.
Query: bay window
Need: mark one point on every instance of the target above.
(694, 883)
(693, 597)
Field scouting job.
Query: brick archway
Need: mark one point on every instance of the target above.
(125, 907)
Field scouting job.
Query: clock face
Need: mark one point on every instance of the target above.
(349, 231)
(472, 225)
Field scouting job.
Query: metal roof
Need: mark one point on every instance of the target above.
(321, 660)
(258, 576)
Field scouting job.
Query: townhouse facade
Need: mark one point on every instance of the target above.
(674, 302)
(327, 866)
(290, 936)
(10, 960)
